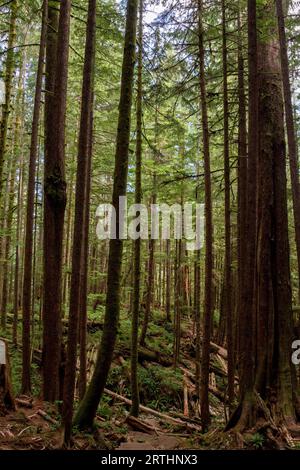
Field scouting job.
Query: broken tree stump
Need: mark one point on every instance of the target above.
(7, 401)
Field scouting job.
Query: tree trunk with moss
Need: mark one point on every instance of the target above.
(227, 218)
(241, 190)
(88, 407)
(290, 129)
(79, 220)
(135, 398)
(271, 393)
(8, 78)
(28, 250)
(57, 51)
(208, 287)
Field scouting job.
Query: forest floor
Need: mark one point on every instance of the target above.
(38, 428)
(169, 418)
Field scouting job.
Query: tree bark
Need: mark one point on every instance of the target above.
(54, 193)
(267, 377)
(88, 406)
(9, 72)
(27, 280)
(137, 243)
(79, 221)
(227, 281)
(242, 187)
(290, 128)
(208, 295)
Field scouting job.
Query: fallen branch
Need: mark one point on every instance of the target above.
(211, 389)
(185, 397)
(46, 417)
(169, 419)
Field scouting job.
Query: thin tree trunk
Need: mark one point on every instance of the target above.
(227, 282)
(79, 221)
(197, 305)
(10, 197)
(208, 296)
(27, 280)
(137, 243)
(150, 286)
(168, 281)
(85, 258)
(17, 263)
(242, 184)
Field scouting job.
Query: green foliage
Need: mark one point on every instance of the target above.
(257, 440)
(160, 388)
(16, 372)
(105, 410)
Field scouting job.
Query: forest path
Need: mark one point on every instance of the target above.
(141, 441)
(161, 439)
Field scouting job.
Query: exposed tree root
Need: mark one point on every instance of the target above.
(271, 427)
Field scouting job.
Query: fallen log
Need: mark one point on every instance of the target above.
(140, 425)
(169, 419)
(212, 390)
(218, 349)
(179, 415)
(145, 354)
(92, 325)
(24, 403)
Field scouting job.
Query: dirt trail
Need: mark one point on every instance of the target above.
(141, 441)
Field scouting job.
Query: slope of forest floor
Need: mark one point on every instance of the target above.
(169, 417)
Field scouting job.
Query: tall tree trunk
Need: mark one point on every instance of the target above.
(17, 255)
(274, 308)
(178, 302)
(227, 282)
(54, 193)
(242, 184)
(8, 79)
(290, 128)
(197, 303)
(7, 241)
(248, 299)
(150, 284)
(137, 243)
(168, 281)
(269, 367)
(27, 280)
(10, 195)
(208, 295)
(85, 259)
(79, 221)
(88, 406)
